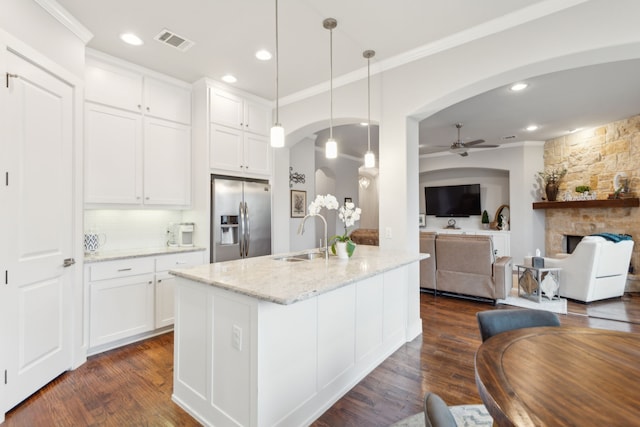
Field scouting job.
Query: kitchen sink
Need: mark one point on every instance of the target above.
(300, 257)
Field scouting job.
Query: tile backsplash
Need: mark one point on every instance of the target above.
(131, 229)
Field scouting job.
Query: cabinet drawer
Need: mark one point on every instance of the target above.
(181, 260)
(120, 268)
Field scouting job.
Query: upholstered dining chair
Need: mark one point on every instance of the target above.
(436, 412)
(492, 322)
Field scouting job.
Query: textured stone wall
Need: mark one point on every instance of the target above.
(593, 158)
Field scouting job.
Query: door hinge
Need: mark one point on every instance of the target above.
(5, 376)
(9, 75)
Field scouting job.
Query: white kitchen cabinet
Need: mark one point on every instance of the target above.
(167, 160)
(121, 300)
(132, 299)
(137, 138)
(112, 155)
(165, 283)
(234, 150)
(237, 112)
(135, 91)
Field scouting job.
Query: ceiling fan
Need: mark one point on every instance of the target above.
(461, 148)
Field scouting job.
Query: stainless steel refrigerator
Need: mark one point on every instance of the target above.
(240, 218)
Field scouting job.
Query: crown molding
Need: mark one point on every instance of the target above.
(65, 18)
(511, 20)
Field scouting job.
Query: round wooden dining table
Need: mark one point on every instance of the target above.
(560, 376)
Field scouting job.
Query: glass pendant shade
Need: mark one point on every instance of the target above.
(369, 159)
(277, 136)
(331, 149)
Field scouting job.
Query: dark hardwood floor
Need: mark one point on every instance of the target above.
(131, 386)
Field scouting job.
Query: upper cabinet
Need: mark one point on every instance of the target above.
(238, 139)
(234, 111)
(129, 90)
(137, 138)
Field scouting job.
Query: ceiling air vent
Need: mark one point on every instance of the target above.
(508, 137)
(172, 39)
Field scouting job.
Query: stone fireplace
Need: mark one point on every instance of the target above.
(593, 158)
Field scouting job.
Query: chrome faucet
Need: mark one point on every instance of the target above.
(326, 243)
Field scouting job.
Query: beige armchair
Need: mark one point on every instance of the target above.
(597, 269)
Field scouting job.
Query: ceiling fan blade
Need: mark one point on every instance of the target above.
(485, 146)
(463, 154)
(471, 143)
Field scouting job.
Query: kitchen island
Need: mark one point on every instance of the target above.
(275, 341)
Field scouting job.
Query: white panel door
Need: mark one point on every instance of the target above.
(167, 160)
(257, 154)
(257, 118)
(226, 109)
(39, 124)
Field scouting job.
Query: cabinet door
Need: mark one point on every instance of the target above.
(226, 109)
(167, 101)
(165, 284)
(120, 308)
(257, 154)
(257, 118)
(113, 86)
(226, 148)
(113, 155)
(167, 157)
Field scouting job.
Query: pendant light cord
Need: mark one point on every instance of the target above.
(368, 104)
(277, 69)
(331, 83)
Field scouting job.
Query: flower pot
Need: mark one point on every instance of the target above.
(341, 250)
(552, 191)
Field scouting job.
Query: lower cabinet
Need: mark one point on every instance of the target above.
(132, 299)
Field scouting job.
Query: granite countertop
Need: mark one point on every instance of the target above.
(137, 253)
(283, 282)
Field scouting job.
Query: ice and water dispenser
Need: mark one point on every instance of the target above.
(229, 229)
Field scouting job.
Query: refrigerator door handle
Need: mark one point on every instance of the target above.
(241, 240)
(247, 230)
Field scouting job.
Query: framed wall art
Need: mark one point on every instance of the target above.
(298, 203)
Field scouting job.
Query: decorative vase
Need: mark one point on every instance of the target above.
(341, 250)
(552, 191)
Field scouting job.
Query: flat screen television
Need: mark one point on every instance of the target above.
(453, 200)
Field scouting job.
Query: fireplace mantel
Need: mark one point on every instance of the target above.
(604, 203)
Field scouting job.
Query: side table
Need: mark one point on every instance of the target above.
(539, 273)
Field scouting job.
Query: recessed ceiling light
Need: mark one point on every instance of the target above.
(228, 78)
(532, 128)
(364, 124)
(131, 39)
(519, 86)
(263, 55)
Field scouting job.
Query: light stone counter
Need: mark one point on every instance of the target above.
(284, 282)
(138, 253)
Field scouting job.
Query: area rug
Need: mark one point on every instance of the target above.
(557, 306)
(465, 416)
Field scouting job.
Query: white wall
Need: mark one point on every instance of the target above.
(27, 21)
(369, 203)
(402, 95)
(301, 158)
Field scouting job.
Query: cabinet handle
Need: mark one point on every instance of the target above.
(139, 107)
(150, 282)
(146, 198)
(125, 269)
(159, 280)
(148, 109)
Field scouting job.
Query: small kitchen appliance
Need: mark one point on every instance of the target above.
(185, 234)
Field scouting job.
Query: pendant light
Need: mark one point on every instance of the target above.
(331, 147)
(369, 157)
(277, 131)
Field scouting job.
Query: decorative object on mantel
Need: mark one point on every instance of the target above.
(485, 219)
(295, 177)
(501, 217)
(552, 180)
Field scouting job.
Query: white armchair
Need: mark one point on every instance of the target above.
(597, 269)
